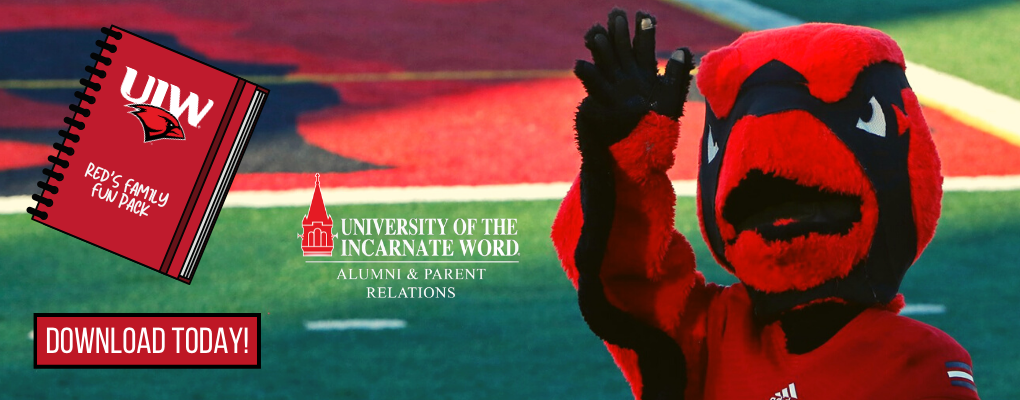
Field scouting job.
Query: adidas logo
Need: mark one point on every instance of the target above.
(788, 393)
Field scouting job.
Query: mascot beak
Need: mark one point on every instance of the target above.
(795, 208)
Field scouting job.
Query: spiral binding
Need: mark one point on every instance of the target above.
(62, 147)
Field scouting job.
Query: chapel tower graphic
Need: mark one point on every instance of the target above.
(317, 239)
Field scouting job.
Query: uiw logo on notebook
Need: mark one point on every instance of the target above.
(159, 122)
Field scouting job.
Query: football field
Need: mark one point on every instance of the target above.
(403, 107)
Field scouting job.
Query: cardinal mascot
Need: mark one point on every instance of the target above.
(818, 186)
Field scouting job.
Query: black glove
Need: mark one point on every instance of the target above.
(623, 83)
(623, 86)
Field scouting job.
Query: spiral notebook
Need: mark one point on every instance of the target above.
(149, 155)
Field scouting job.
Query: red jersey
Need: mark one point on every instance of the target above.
(878, 355)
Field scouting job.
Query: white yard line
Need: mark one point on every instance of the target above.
(382, 195)
(923, 309)
(426, 194)
(981, 183)
(355, 324)
(743, 14)
(971, 104)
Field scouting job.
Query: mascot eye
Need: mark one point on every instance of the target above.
(875, 124)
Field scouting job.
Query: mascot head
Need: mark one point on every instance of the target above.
(818, 177)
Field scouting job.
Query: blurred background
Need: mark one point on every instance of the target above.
(457, 109)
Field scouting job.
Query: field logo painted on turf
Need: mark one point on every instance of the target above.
(317, 239)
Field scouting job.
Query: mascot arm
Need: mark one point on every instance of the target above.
(614, 232)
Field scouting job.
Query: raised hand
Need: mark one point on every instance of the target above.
(623, 83)
(623, 87)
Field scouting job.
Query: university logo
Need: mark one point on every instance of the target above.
(317, 238)
(159, 122)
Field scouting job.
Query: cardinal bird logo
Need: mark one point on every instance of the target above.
(157, 122)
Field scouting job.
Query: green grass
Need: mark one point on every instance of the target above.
(975, 40)
(516, 334)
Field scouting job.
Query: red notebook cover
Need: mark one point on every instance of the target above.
(149, 155)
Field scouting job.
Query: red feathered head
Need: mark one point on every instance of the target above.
(818, 177)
